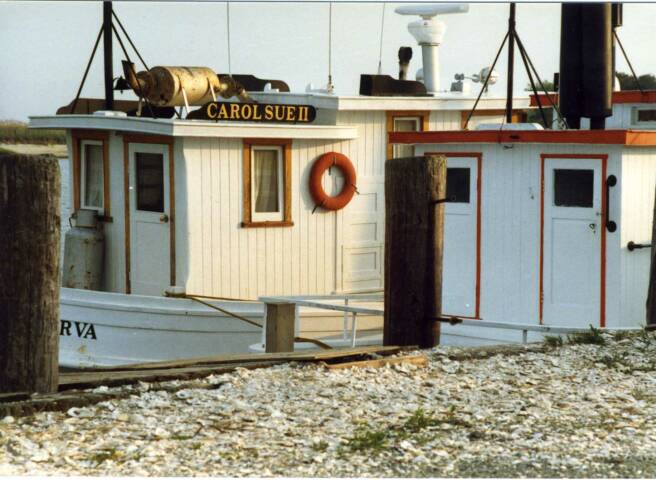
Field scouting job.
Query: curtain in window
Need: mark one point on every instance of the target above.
(93, 172)
(265, 180)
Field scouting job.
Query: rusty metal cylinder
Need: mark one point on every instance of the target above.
(163, 86)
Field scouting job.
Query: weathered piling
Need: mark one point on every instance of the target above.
(29, 273)
(415, 189)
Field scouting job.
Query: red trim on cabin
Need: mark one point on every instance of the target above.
(598, 137)
(479, 165)
(626, 96)
(602, 286)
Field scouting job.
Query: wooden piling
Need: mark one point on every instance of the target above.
(651, 292)
(280, 323)
(414, 224)
(29, 273)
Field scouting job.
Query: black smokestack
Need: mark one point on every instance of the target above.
(405, 54)
(586, 63)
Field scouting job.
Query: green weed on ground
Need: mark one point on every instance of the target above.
(590, 337)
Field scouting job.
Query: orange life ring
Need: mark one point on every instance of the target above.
(323, 163)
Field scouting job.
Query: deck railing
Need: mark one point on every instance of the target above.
(349, 334)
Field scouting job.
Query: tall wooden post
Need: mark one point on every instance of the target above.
(29, 273)
(651, 293)
(414, 239)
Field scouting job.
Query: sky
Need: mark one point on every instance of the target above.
(44, 46)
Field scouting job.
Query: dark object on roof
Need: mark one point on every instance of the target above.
(586, 75)
(87, 106)
(386, 86)
(253, 84)
(405, 55)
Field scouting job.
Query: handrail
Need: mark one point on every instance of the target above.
(631, 246)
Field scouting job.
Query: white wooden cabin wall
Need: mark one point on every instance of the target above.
(637, 186)
(510, 229)
(114, 276)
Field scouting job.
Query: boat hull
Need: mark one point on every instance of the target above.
(105, 329)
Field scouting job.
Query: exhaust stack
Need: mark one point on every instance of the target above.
(405, 55)
(429, 33)
(586, 64)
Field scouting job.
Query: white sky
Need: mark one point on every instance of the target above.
(44, 46)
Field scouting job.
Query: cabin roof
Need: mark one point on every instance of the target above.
(625, 96)
(196, 128)
(631, 138)
(440, 101)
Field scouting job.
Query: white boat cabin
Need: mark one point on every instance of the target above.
(223, 208)
(543, 224)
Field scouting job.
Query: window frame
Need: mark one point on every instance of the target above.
(79, 139)
(283, 218)
(421, 115)
(635, 122)
(83, 177)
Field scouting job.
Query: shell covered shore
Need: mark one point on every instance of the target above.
(586, 408)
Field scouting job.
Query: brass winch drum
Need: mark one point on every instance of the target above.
(162, 86)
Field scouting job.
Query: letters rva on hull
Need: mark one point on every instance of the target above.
(79, 329)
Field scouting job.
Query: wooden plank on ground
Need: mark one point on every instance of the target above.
(312, 355)
(418, 360)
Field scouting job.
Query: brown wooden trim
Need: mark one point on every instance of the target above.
(172, 212)
(246, 194)
(107, 208)
(287, 185)
(126, 194)
(424, 115)
(267, 224)
(145, 138)
(77, 137)
(287, 182)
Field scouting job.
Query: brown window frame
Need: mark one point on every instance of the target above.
(286, 145)
(422, 115)
(77, 137)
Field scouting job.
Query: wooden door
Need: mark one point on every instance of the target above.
(149, 218)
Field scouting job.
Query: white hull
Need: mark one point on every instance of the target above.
(103, 329)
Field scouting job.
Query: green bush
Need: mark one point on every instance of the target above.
(18, 132)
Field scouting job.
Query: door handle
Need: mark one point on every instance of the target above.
(164, 218)
(611, 181)
(593, 227)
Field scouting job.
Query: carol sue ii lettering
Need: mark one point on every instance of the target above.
(77, 329)
(258, 112)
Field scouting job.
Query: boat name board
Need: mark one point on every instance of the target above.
(82, 329)
(256, 112)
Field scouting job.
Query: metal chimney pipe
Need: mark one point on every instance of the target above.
(405, 54)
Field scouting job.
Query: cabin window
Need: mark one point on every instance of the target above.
(457, 185)
(644, 116)
(573, 188)
(150, 181)
(92, 177)
(408, 121)
(267, 184)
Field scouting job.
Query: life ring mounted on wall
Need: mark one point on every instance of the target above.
(323, 163)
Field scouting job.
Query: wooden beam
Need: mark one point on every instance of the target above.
(418, 360)
(651, 292)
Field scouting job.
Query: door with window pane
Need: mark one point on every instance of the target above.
(149, 219)
(571, 242)
(459, 264)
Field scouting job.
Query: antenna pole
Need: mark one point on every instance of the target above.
(107, 44)
(511, 63)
